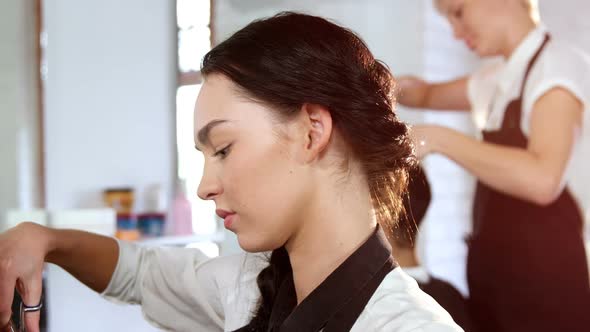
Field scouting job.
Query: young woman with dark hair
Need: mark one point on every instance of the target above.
(306, 161)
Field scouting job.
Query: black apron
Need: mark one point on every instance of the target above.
(526, 267)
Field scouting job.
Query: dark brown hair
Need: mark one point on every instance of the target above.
(415, 203)
(291, 59)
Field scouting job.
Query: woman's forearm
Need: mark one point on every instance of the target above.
(535, 173)
(90, 258)
(514, 171)
(444, 96)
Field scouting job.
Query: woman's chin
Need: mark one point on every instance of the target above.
(252, 245)
(484, 52)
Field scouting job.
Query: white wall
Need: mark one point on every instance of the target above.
(568, 19)
(110, 98)
(110, 110)
(19, 182)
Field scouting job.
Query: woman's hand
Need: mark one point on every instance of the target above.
(22, 255)
(412, 91)
(426, 139)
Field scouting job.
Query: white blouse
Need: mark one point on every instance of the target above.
(560, 64)
(182, 290)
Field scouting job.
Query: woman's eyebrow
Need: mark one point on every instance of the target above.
(203, 135)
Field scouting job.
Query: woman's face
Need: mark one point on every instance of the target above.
(253, 170)
(479, 23)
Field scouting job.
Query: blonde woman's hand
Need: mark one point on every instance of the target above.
(427, 139)
(22, 255)
(411, 91)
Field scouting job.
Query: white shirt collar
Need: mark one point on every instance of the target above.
(419, 273)
(511, 75)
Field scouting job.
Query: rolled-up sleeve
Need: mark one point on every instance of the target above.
(174, 287)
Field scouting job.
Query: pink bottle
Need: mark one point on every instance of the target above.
(181, 216)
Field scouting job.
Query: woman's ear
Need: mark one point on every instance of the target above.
(317, 125)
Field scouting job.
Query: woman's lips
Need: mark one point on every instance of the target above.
(229, 220)
(228, 217)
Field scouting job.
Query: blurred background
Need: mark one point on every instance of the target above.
(96, 98)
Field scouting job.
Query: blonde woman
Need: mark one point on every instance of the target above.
(527, 267)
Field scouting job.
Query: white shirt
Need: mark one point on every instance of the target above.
(493, 86)
(182, 290)
(418, 273)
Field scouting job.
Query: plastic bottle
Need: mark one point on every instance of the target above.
(181, 217)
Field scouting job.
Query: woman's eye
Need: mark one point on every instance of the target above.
(458, 12)
(222, 153)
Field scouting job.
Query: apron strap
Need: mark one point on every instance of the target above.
(525, 80)
(532, 63)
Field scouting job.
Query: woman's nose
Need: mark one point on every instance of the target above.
(210, 187)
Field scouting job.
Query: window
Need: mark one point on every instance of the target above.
(193, 19)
